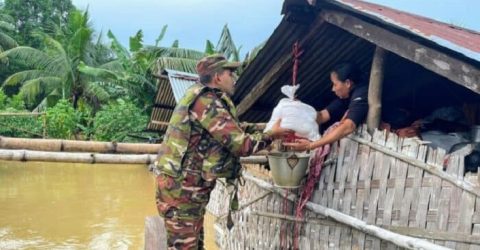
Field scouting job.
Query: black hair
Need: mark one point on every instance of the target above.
(206, 79)
(346, 71)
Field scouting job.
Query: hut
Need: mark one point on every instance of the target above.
(172, 85)
(376, 190)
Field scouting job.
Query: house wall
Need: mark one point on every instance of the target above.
(370, 185)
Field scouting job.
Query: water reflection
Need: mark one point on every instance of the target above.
(74, 206)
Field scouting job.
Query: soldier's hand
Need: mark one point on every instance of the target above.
(299, 145)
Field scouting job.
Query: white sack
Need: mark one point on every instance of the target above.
(295, 115)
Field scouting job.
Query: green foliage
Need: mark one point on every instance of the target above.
(115, 121)
(7, 28)
(17, 126)
(16, 102)
(209, 48)
(226, 46)
(3, 100)
(20, 126)
(62, 120)
(53, 70)
(176, 44)
(61, 58)
(161, 35)
(136, 41)
(37, 16)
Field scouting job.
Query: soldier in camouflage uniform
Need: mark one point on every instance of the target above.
(203, 142)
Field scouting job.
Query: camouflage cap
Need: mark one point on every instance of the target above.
(210, 64)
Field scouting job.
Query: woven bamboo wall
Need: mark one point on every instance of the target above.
(372, 186)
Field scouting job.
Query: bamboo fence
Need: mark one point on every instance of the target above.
(384, 192)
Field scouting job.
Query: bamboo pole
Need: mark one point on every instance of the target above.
(30, 155)
(375, 90)
(260, 126)
(319, 221)
(77, 146)
(21, 114)
(397, 239)
(247, 204)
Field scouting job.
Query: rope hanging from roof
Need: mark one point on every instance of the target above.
(296, 53)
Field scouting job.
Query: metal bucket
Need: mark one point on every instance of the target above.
(288, 168)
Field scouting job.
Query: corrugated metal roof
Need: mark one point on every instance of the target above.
(461, 40)
(329, 46)
(170, 90)
(180, 82)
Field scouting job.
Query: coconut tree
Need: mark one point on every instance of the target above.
(36, 16)
(6, 26)
(53, 70)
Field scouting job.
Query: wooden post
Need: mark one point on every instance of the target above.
(155, 233)
(375, 90)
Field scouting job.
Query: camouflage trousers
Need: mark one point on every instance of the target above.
(183, 234)
(182, 212)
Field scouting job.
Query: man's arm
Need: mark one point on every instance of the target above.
(211, 113)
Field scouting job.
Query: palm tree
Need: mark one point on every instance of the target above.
(53, 70)
(6, 26)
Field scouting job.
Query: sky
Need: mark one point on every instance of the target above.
(251, 22)
(192, 22)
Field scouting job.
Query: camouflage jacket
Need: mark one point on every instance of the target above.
(205, 135)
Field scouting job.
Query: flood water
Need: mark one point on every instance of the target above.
(74, 206)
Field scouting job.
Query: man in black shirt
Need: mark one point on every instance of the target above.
(350, 108)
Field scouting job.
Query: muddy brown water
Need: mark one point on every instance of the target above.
(76, 206)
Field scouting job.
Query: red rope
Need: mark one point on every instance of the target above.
(296, 53)
(313, 177)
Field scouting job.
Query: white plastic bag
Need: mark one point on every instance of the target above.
(295, 115)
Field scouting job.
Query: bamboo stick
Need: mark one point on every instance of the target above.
(260, 126)
(397, 239)
(21, 114)
(30, 155)
(319, 221)
(265, 194)
(77, 146)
